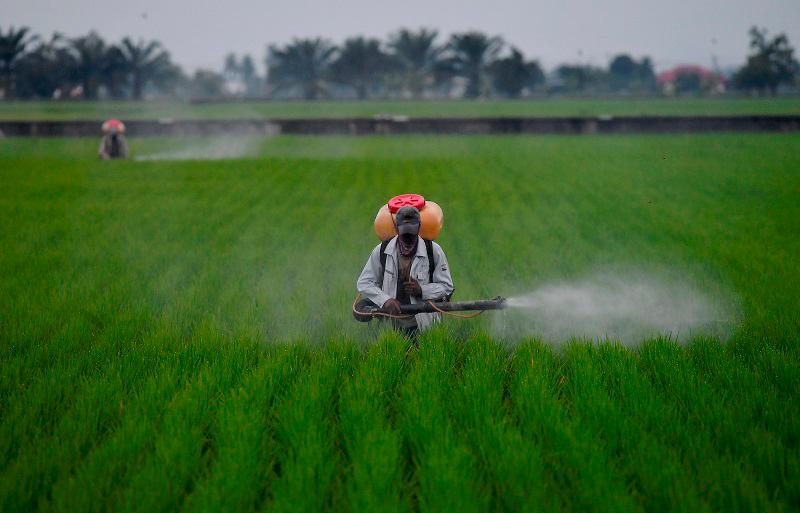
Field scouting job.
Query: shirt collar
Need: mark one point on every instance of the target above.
(391, 248)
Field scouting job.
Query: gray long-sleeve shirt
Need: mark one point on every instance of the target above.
(108, 150)
(442, 285)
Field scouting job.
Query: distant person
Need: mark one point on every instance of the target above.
(113, 145)
(415, 270)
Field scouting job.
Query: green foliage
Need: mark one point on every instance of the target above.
(626, 74)
(145, 306)
(510, 75)
(771, 64)
(146, 62)
(469, 55)
(361, 64)
(301, 64)
(12, 48)
(207, 84)
(581, 78)
(94, 63)
(243, 75)
(417, 55)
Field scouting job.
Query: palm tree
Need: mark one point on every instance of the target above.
(510, 75)
(580, 78)
(44, 69)
(95, 64)
(418, 55)
(302, 63)
(361, 64)
(249, 75)
(144, 61)
(12, 48)
(470, 55)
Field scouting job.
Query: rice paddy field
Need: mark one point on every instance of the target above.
(175, 331)
(537, 107)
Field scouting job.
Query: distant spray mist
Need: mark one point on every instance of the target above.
(211, 149)
(624, 308)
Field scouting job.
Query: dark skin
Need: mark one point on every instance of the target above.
(392, 306)
(411, 286)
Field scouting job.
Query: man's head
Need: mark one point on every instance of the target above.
(407, 221)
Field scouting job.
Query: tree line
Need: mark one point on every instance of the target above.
(408, 64)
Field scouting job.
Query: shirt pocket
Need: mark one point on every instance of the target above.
(421, 274)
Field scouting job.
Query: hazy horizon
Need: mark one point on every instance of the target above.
(200, 33)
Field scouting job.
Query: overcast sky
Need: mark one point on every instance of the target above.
(199, 33)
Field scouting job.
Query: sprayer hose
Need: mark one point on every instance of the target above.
(454, 314)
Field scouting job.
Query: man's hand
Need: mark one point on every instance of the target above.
(392, 306)
(413, 288)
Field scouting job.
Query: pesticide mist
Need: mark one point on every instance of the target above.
(624, 308)
(211, 149)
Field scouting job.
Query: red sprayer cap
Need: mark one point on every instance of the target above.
(113, 124)
(406, 200)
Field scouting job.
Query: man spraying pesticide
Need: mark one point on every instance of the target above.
(113, 145)
(407, 278)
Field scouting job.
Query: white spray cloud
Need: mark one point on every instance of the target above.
(627, 308)
(211, 149)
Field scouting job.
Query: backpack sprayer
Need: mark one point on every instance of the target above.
(432, 220)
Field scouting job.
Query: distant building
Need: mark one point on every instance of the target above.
(690, 78)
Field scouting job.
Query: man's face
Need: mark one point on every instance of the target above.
(409, 238)
(408, 222)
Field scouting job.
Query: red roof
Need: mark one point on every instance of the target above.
(672, 74)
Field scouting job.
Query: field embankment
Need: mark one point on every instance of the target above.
(401, 125)
(539, 107)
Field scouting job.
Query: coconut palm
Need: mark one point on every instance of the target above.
(44, 69)
(302, 63)
(510, 75)
(144, 62)
(12, 47)
(361, 64)
(94, 63)
(418, 55)
(470, 54)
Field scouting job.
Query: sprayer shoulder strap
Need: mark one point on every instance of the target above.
(428, 250)
(431, 262)
(383, 261)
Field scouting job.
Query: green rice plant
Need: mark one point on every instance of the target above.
(94, 411)
(306, 431)
(185, 445)
(171, 330)
(508, 460)
(245, 446)
(721, 476)
(768, 446)
(445, 472)
(581, 473)
(374, 479)
(100, 479)
(605, 392)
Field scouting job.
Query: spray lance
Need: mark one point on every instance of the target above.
(365, 310)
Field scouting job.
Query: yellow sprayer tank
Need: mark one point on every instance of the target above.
(431, 217)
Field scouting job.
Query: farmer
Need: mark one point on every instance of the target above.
(416, 270)
(113, 145)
